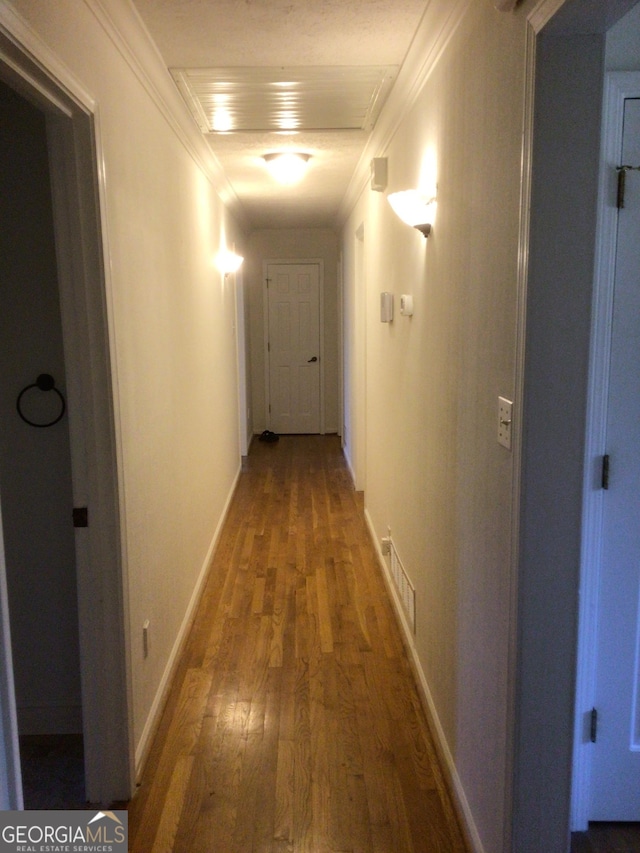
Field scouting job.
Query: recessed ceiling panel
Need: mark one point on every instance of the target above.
(225, 100)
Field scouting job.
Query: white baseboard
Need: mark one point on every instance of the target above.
(153, 719)
(442, 747)
(347, 459)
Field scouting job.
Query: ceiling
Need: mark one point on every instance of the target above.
(339, 59)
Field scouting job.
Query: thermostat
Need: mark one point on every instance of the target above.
(406, 304)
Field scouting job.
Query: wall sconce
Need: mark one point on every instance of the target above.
(414, 208)
(228, 262)
(287, 167)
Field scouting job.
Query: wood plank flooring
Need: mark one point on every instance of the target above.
(293, 724)
(607, 838)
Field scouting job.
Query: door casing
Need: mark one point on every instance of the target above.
(78, 189)
(319, 262)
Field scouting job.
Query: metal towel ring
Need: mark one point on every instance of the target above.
(44, 382)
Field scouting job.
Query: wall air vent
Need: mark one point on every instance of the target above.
(406, 592)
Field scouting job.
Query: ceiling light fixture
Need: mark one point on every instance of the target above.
(287, 167)
(414, 208)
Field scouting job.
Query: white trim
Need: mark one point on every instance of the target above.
(265, 335)
(100, 556)
(241, 361)
(440, 740)
(319, 262)
(618, 87)
(126, 30)
(518, 407)
(439, 23)
(543, 12)
(153, 718)
(47, 67)
(359, 411)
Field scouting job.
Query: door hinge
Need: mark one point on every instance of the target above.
(593, 730)
(605, 471)
(80, 516)
(622, 180)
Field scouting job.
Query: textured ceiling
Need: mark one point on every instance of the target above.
(271, 34)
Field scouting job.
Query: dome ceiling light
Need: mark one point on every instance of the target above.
(287, 167)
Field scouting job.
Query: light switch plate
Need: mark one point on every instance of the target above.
(505, 422)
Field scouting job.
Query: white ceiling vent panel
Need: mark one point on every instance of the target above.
(225, 100)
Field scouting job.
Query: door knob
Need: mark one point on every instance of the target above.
(315, 358)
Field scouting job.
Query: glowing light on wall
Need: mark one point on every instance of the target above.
(414, 208)
(228, 262)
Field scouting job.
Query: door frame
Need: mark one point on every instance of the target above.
(244, 413)
(319, 262)
(618, 87)
(78, 191)
(528, 670)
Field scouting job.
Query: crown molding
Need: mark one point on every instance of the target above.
(124, 27)
(438, 25)
(543, 12)
(21, 36)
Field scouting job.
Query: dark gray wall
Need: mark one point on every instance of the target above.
(563, 230)
(35, 467)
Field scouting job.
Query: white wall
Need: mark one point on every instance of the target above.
(435, 473)
(289, 245)
(171, 319)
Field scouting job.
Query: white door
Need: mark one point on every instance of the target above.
(615, 787)
(293, 293)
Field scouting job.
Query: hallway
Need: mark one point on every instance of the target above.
(293, 723)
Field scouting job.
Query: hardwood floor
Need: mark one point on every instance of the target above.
(293, 723)
(607, 838)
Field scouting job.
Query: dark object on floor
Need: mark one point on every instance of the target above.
(269, 436)
(52, 771)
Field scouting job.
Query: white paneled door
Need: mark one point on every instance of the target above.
(293, 296)
(615, 786)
